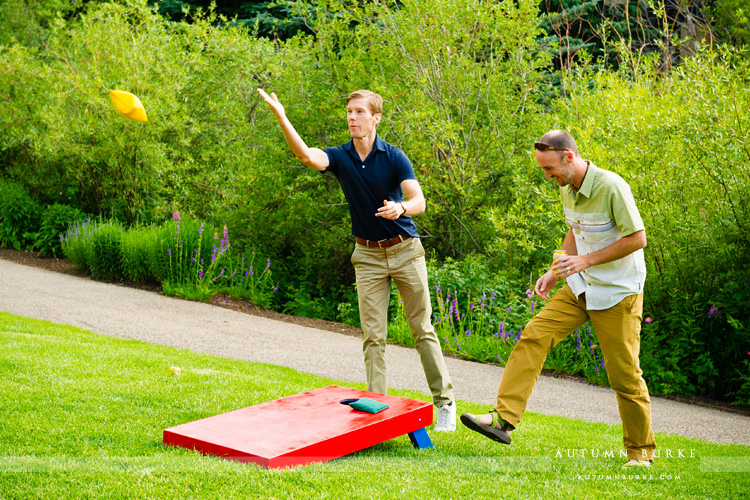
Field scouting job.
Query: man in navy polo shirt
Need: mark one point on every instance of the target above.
(375, 177)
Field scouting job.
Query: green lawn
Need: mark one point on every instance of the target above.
(82, 417)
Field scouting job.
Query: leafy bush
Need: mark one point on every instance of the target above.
(55, 221)
(95, 247)
(19, 216)
(76, 243)
(139, 245)
(105, 254)
(242, 277)
(732, 21)
(60, 135)
(184, 250)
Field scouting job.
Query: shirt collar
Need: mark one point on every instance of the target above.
(588, 182)
(378, 145)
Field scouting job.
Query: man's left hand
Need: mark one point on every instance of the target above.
(390, 210)
(569, 265)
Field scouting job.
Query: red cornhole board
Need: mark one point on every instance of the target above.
(304, 428)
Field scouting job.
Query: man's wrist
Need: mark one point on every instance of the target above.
(403, 207)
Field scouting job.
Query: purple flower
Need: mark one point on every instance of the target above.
(648, 320)
(510, 309)
(225, 240)
(712, 311)
(176, 216)
(276, 289)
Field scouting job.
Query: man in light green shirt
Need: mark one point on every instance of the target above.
(604, 272)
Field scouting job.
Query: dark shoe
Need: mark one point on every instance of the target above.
(498, 431)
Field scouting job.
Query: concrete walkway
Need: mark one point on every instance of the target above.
(128, 313)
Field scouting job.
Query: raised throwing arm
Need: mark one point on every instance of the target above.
(312, 157)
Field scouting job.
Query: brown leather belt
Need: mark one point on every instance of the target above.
(382, 243)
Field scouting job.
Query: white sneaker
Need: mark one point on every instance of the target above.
(446, 418)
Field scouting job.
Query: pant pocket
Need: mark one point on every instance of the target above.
(355, 256)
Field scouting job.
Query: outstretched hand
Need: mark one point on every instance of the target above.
(545, 284)
(273, 102)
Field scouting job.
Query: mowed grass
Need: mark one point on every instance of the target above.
(82, 416)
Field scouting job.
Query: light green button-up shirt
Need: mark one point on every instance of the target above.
(599, 214)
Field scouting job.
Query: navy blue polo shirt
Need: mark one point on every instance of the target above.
(367, 183)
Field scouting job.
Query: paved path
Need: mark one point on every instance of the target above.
(129, 313)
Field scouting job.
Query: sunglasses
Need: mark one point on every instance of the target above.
(539, 146)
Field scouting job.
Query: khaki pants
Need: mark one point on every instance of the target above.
(618, 330)
(404, 263)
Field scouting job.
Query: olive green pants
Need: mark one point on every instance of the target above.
(618, 330)
(403, 263)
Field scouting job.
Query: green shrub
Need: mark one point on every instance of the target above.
(186, 253)
(55, 221)
(60, 133)
(19, 216)
(246, 276)
(76, 243)
(139, 244)
(105, 254)
(158, 245)
(731, 21)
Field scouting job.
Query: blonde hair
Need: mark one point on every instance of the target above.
(374, 101)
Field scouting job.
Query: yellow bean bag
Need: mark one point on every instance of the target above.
(128, 105)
